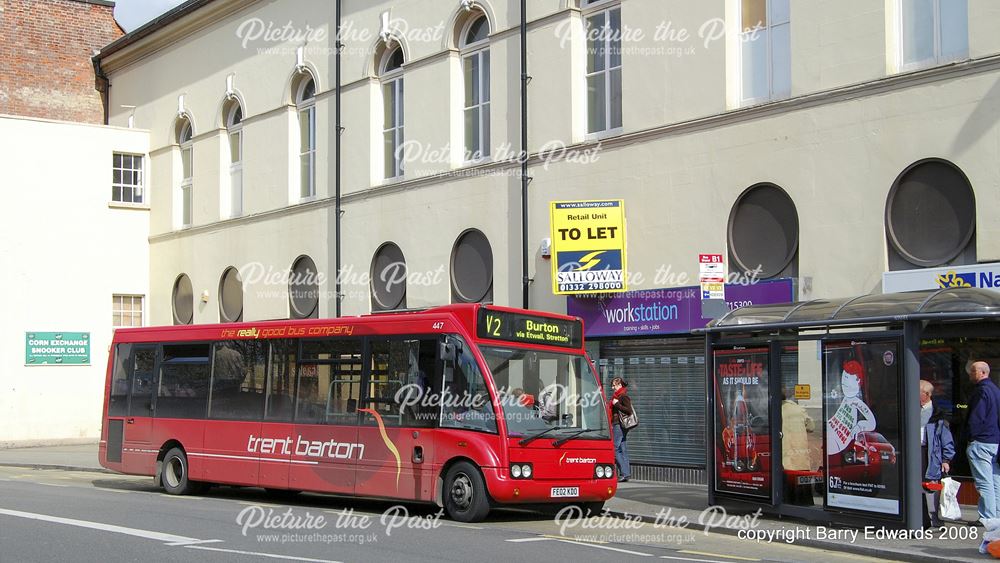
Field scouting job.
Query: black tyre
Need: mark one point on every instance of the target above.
(738, 466)
(849, 456)
(174, 474)
(592, 508)
(465, 497)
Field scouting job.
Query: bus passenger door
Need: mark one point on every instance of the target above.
(138, 452)
(398, 417)
(326, 416)
(273, 445)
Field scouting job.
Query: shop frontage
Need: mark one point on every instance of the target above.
(814, 407)
(646, 338)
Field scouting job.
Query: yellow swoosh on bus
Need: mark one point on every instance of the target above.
(388, 442)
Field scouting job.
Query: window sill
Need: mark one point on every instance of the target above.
(124, 205)
(598, 135)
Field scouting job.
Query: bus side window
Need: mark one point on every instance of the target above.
(185, 374)
(281, 381)
(143, 376)
(238, 368)
(466, 399)
(400, 385)
(118, 401)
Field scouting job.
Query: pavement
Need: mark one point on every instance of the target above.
(670, 504)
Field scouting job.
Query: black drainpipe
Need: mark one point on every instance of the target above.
(524, 155)
(339, 131)
(103, 85)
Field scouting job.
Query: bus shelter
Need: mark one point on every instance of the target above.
(814, 407)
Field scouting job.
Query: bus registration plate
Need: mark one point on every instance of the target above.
(565, 492)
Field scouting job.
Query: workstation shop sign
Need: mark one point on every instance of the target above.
(56, 348)
(588, 247)
(665, 311)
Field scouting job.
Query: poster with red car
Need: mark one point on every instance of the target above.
(742, 422)
(862, 427)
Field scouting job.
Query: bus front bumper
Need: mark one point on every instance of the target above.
(507, 490)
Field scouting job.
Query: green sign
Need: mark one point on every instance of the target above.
(56, 348)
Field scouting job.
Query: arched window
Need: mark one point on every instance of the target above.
(303, 289)
(182, 301)
(930, 217)
(231, 296)
(234, 126)
(305, 102)
(763, 233)
(388, 278)
(472, 268)
(184, 139)
(392, 106)
(476, 71)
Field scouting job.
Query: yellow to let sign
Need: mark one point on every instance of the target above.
(588, 247)
(803, 392)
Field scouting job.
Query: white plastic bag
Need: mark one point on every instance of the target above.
(948, 507)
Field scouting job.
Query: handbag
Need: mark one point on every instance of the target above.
(948, 503)
(630, 421)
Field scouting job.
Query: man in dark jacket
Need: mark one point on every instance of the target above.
(984, 437)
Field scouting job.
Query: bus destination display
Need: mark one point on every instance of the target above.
(529, 329)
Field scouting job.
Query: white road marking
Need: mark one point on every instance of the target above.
(737, 557)
(689, 559)
(169, 539)
(146, 534)
(584, 544)
(609, 548)
(467, 527)
(258, 554)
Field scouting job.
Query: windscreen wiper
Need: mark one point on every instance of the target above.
(562, 441)
(533, 437)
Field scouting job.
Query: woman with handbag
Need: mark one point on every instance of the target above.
(937, 449)
(621, 421)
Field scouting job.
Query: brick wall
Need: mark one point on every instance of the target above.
(45, 57)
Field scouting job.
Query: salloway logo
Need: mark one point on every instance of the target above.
(388, 442)
(590, 266)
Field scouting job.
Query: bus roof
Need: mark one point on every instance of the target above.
(459, 314)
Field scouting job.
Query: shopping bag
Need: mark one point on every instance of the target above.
(948, 505)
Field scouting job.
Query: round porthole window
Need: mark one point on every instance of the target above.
(763, 230)
(388, 278)
(183, 301)
(472, 268)
(231, 296)
(303, 289)
(930, 215)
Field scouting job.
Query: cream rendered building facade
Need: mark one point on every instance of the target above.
(68, 249)
(855, 116)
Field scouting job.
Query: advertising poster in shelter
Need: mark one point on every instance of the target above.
(742, 422)
(862, 428)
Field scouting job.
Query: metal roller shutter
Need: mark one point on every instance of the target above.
(666, 378)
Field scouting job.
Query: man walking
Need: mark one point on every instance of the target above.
(984, 437)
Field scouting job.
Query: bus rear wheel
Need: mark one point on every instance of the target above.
(174, 474)
(465, 497)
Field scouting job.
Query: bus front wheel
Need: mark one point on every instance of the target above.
(174, 474)
(465, 497)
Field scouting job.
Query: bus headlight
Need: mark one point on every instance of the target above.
(520, 470)
(604, 471)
